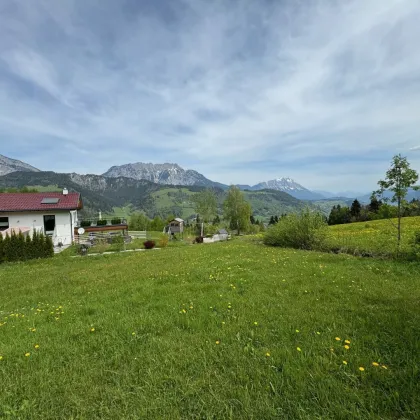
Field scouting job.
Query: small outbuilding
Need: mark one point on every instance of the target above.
(221, 235)
(176, 225)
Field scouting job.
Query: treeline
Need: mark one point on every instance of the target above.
(17, 247)
(18, 190)
(375, 210)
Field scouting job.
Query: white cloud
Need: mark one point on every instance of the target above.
(240, 91)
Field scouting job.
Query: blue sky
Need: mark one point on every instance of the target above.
(322, 91)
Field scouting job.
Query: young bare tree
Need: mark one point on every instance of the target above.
(205, 203)
(398, 179)
(236, 209)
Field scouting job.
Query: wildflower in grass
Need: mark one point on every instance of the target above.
(347, 341)
(1, 357)
(92, 329)
(133, 333)
(33, 329)
(318, 333)
(298, 349)
(36, 346)
(346, 347)
(297, 331)
(217, 342)
(344, 362)
(383, 367)
(338, 338)
(223, 322)
(267, 354)
(255, 323)
(362, 369)
(375, 364)
(27, 354)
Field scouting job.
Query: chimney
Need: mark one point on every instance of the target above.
(65, 191)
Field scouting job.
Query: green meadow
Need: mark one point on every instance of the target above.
(378, 237)
(227, 330)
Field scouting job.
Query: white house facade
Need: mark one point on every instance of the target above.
(54, 214)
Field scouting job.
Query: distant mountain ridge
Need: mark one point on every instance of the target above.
(287, 185)
(8, 165)
(107, 193)
(161, 173)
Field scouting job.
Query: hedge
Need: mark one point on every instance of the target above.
(18, 248)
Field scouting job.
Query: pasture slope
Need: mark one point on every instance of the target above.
(230, 330)
(377, 237)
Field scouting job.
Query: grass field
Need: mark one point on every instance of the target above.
(378, 237)
(228, 330)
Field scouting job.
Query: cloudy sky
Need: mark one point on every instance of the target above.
(243, 91)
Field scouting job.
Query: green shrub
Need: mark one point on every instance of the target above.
(163, 240)
(102, 222)
(415, 244)
(85, 223)
(305, 230)
(116, 221)
(117, 239)
(1, 249)
(18, 248)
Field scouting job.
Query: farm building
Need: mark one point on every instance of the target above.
(51, 213)
(221, 235)
(176, 226)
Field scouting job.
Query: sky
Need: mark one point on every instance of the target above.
(243, 91)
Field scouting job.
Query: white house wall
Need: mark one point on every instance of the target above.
(63, 224)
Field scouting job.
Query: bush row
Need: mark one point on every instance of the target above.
(21, 248)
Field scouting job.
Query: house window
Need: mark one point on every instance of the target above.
(4, 223)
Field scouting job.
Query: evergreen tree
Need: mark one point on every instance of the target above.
(6, 247)
(272, 221)
(1, 248)
(276, 219)
(20, 247)
(252, 219)
(28, 248)
(216, 220)
(48, 247)
(375, 204)
(355, 209)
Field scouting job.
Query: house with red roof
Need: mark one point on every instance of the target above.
(52, 213)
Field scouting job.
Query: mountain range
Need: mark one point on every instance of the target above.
(173, 174)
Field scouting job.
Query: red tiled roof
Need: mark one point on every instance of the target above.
(32, 201)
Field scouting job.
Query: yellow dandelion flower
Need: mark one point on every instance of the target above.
(27, 354)
(347, 341)
(223, 322)
(344, 362)
(298, 349)
(383, 367)
(133, 333)
(338, 338)
(346, 347)
(92, 329)
(217, 342)
(318, 333)
(362, 369)
(1, 357)
(297, 331)
(331, 349)
(255, 323)
(375, 364)
(36, 346)
(268, 354)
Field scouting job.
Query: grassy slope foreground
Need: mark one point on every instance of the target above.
(233, 330)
